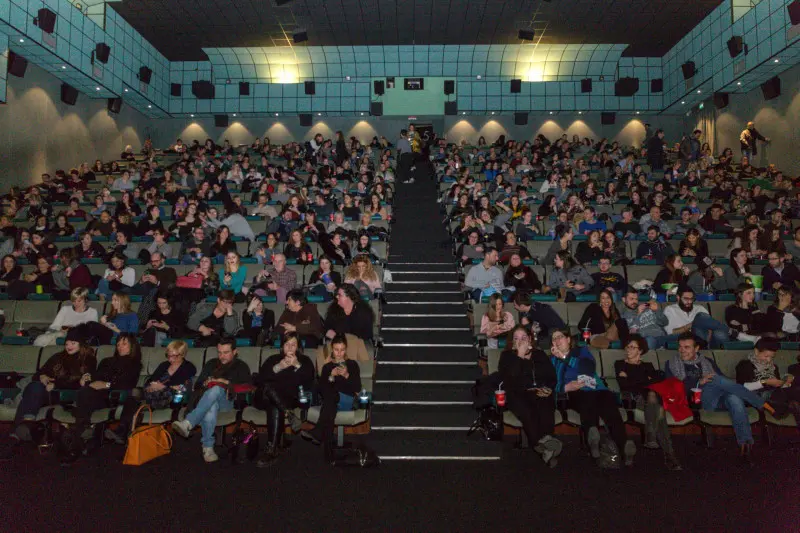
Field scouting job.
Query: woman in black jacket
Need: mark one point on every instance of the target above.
(118, 372)
(349, 314)
(339, 381)
(280, 381)
(522, 277)
(529, 380)
(258, 321)
(164, 321)
(603, 322)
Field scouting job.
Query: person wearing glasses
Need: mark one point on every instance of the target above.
(687, 316)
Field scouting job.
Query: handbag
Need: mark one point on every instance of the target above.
(146, 442)
(189, 282)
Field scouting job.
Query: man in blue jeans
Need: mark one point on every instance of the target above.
(216, 387)
(718, 392)
(687, 316)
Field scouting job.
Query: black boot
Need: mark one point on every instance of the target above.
(275, 420)
(746, 453)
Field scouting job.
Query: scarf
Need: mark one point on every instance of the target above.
(676, 366)
(762, 370)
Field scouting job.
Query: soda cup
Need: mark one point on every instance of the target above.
(500, 397)
(39, 289)
(331, 217)
(587, 334)
(20, 333)
(310, 257)
(697, 396)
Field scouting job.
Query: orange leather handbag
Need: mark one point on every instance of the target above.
(147, 441)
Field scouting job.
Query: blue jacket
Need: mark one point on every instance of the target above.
(580, 361)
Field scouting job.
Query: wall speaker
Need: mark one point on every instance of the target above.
(794, 12)
(378, 86)
(657, 85)
(520, 119)
(626, 86)
(17, 65)
(721, 100)
(145, 74)
(688, 69)
(203, 90)
(69, 94)
(175, 89)
(311, 87)
(451, 108)
(608, 119)
(771, 88)
(114, 105)
(735, 45)
(300, 36)
(526, 35)
(221, 121)
(516, 86)
(586, 85)
(305, 119)
(376, 109)
(449, 86)
(244, 88)
(46, 20)
(101, 52)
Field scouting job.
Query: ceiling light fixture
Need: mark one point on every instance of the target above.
(683, 103)
(234, 114)
(63, 67)
(777, 60)
(478, 76)
(276, 114)
(149, 107)
(699, 91)
(22, 40)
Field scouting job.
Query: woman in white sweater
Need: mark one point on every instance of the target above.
(68, 316)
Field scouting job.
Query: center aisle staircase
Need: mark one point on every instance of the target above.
(428, 364)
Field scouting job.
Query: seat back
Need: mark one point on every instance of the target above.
(728, 359)
(35, 312)
(23, 360)
(493, 360)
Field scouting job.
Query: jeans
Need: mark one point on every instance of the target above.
(214, 400)
(705, 323)
(34, 397)
(104, 288)
(723, 393)
(655, 343)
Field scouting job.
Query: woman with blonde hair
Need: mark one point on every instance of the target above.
(234, 275)
(120, 318)
(361, 273)
(68, 317)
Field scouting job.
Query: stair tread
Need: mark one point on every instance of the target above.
(445, 416)
(427, 372)
(423, 392)
(428, 354)
(433, 444)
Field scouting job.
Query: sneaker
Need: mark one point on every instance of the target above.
(309, 436)
(672, 463)
(209, 455)
(629, 451)
(267, 457)
(182, 428)
(593, 440)
(551, 449)
(112, 435)
(23, 433)
(409, 180)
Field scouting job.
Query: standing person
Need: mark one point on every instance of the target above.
(748, 141)
(655, 150)
(405, 158)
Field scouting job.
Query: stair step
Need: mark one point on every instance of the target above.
(429, 309)
(438, 392)
(402, 266)
(433, 446)
(442, 296)
(441, 416)
(427, 337)
(427, 372)
(425, 354)
(429, 322)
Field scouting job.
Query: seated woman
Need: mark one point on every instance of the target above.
(591, 249)
(65, 370)
(576, 370)
(522, 277)
(529, 380)
(674, 272)
(87, 248)
(267, 251)
(117, 278)
(375, 209)
(614, 249)
(10, 271)
(361, 274)
(279, 380)
(150, 222)
(758, 373)
(737, 271)
(189, 291)
(234, 276)
(68, 317)
(324, 280)
(302, 318)
(745, 319)
(311, 228)
(339, 383)
(119, 319)
(471, 249)
(511, 246)
(42, 276)
(164, 322)
(603, 321)
(349, 314)
(634, 376)
(569, 278)
(364, 247)
(257, 321)
(693, 245)
(783, 316)
(708, 278)
(297, 248)
(222, 245)
(118, 372)
(335, 246)
(496, 322)
(527, 228)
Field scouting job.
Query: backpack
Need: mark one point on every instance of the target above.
(357, 456)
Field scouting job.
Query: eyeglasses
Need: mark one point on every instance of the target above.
(633, 347)
(558, 336)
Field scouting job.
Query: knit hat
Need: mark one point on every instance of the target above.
(74, 335)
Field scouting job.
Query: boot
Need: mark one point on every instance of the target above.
(665, 441)
(269, 455)
(651, 415)
(746, 453)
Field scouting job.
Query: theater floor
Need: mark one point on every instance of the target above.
(180, 493)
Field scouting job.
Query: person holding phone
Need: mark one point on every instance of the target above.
(529, 380)
(257, 321)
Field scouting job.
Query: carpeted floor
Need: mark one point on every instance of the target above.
(180, 493)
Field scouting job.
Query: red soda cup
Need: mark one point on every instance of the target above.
(586, 334)
(500, 397)
(310, 257)
(697, 395)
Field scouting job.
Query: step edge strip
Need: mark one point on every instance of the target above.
(419, 402)
(419, 428)
(439, 458)
(426, 382)
(428, 363)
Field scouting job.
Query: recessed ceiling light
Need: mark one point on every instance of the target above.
(149, 107)
(478, 76)
(699, 91)
(738, 83)
(22, 40)
(683, 103)
(276, 114)
(63, 67)
(347, 78)
(234, 114)
(777, 60)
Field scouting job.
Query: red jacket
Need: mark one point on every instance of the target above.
(673, 396)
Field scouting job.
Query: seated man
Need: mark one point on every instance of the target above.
(655, 247)
(213, 321)
(302, 318)
(780, 273)
(195, 247)
(484, 275)
(276, 278)
(686, 316)
(539, 317)
(607, 280)
(718, 391)
(156, 276)
(627, 227)
(654, 219)
(215, 385)
(161, 245)
(646, 319)
(590, 223)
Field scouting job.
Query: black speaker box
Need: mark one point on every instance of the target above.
(114, 104)
(794, 12)
(310, 87)
(735, 45)
(657, 85)
(608, 119)
(771, 88)
(69, 94)
(378, 86)
(449, 86)
(376, 109)
(145, 74)
(626, 86)
(244, 88)
(221, 121)
(300, 37)
(520, 119)
(526, 35)
(586, 85)
(101, 52)
(451, 108)
(688, 69)
(305, 119)
(17, 65)
(46, 20)
(175, 89)
(516, 86)
(721, 100)
(203, 90)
